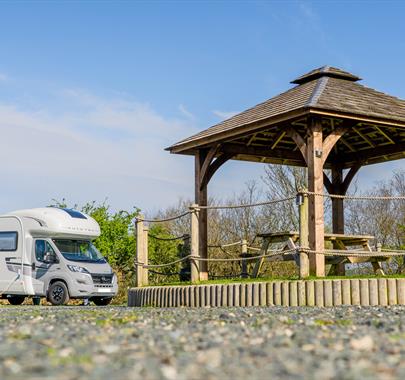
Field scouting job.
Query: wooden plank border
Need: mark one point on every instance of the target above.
(321, 293)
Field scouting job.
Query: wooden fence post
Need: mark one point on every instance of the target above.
(139, 251)
(302, 202)
(145, 255)
(244, 255)
(195, 252)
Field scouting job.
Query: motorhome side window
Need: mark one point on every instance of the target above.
(8, 241)
(41, 248)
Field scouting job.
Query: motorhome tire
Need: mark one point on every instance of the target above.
(102, 301)
(15, 300)
(58, 293)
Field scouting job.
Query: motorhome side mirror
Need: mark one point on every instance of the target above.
(50, 257)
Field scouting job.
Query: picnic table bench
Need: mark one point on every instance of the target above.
(342, 242)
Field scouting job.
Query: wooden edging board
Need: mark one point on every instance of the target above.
(321, 293)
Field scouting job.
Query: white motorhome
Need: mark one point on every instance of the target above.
(48, 252)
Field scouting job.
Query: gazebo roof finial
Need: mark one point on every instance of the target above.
(326, 71)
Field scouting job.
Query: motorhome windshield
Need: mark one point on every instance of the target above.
(79, 250)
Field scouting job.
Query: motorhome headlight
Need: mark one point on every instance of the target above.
(75, 268)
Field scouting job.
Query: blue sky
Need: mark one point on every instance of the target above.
(92, 92)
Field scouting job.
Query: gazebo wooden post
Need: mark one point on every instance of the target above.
(139, 227)
(201, 198)
(315, 152)
(315, 184)
(145, 255)
(338, 217)
(339, 186)
(207, 162)
(194, 242)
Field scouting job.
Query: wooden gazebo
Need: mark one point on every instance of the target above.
(327, 121)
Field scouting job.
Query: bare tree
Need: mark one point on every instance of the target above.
(282, 182)
(383, 219)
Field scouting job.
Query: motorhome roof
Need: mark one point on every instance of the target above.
(60, 222)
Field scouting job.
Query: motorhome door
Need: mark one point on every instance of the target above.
(42, 269)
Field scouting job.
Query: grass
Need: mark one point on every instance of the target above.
(270, 279)
(334, 322)
(116, 321)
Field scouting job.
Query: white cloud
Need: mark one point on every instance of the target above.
(95, 148)
(120, 115)
(86, 147)
(186, 112)
(224, 114)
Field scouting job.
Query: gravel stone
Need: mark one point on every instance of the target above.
(67, 343)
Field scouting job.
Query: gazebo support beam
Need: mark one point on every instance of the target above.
(372, 154)
(338, 220)
(201, 198)
(315, 152)
(235, 149)
(338, 216)
(205, 167)
(315, 207)
(339, 186)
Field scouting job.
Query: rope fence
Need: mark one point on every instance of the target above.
(182, 237)
(226, 245)
(215, 259)
(275, 201)
(326, 252)
(247, 254)
(149, 266)
(163, 273)
(356, 197)
(169, 219)
(266, 203)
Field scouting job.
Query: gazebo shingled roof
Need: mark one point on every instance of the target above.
(329, 92)
(328, 120)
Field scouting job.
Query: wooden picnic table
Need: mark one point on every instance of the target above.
(340, 242)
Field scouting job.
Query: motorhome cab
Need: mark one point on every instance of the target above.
(48, 252)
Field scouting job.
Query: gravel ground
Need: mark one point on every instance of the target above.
(254, 343)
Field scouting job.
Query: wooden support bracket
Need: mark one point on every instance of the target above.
(341, 187)
(214, 166)
(299, 140)
(207, 162)
(330, 141)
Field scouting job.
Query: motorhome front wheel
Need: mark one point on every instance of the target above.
(58, 293)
